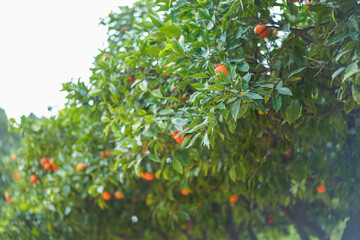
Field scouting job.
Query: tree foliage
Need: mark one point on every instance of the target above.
(282, 121)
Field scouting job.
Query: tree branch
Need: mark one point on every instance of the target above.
(299, 219)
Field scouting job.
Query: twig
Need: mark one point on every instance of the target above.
(265, 156)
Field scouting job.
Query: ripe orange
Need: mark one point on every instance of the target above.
(270, 219)
(119, 195)
(80, 167)
(107, 153)
(147, 176)
(44, 160)
(220, 68)
(106, 195)
(54, 167)
(178, 139)
(308, 3)
(261, 30)
(130, 79)
(296, 0)
(47, 166)
(33, 178)
(16, 176)
(7, 196)
(288, 153)
(233, 198)
(13, 157)
(321, 188)
(102, 155)
(185, 191)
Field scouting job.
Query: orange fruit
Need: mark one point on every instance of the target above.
(174, 89)
(296, 0)
(118, 195)
(16, 176)
(7, 196)
(220, 68)
(130, 79)
(13, 157)
(178, 139)
(80, 167)
(44, 160)
(106, 196)
(270, 219)
(47, 166)
(185, 191)
(107, 153)
(233, 198)
(308, 3)
(261, 30)
(321, 188)
(33, 178)
(147, 176)
(54, 167)
(288, 153)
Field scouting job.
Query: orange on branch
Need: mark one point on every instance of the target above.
(43, 161)
(321, 188)
(220, 68)
(178, 138)
(261, 30)
(33, 178)
(106, 196)
(47, 166)
(185, 191)
(233, 198)
(80, 167)
(13, 157)
(16, 176)
(119, 195)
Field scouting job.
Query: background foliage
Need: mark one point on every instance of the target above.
(283, 121)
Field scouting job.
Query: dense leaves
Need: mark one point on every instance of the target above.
(281, 121)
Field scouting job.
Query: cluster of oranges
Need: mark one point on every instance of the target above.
(107, 195)
(48, 165)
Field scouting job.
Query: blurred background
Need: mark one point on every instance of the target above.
(45, 43)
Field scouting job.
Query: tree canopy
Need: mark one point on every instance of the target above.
(207, 128)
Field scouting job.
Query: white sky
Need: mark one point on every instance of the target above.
(44, 43)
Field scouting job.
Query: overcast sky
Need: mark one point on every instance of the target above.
(44, 43)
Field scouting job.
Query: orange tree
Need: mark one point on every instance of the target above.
(205, 128)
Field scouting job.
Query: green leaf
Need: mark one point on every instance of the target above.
(143, 86)
(337, 72)
(171, 31)
(240, 171)
(296, 72)
(285, 91)
(200, 75)
(155, 18)
(66, 190)
(253, 95)
(336, 39)
(350, 70)
(193, 139)
(235, 109)
(154, 158)
(198, 86)
(276, 102)
(293, 111)
(176, 165)
(232, 173)
(355, 94)
(217, 87)
(243, 110)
